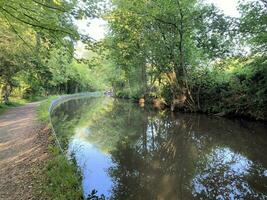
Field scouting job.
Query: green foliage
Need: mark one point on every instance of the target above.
(253, 24)
(160, 49)
(37, 48)
(238, 89)
(151, 40)
(12, 103)
(174, 50)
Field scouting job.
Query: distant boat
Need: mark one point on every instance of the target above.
(108, 93)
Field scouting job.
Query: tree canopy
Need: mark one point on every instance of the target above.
(190, 55)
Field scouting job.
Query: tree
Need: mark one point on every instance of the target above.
(31, 33)
(14, 57)
(164, 41)
(253, 26)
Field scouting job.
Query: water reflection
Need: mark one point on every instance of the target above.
(127, 152)
(224, 175)
(94, 165)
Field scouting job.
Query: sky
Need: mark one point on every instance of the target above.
(95, 28)
(229, 7)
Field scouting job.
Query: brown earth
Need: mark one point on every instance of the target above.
(23, 151)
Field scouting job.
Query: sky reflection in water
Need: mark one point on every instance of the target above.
(93, 164)
(126, 152)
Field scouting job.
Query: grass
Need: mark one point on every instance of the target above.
(17, 101)
(60, 178)
(42, 110)
(14, 102)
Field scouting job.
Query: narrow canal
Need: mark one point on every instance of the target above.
(128, 152)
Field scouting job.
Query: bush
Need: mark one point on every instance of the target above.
(241, 91)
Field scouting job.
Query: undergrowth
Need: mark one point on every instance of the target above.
(14, 102)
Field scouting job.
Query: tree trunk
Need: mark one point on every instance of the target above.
(6, 91)
(144, 80)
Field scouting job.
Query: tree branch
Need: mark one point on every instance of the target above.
(165, 22)
(35, 25)
(49, 6)
(16, 32)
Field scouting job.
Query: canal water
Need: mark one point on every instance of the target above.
(126, 152)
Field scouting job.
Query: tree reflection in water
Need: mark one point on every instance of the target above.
(225, 174)
(157, 155)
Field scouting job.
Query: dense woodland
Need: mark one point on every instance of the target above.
(178, 54)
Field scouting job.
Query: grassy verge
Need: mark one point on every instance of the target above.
(17, 101)
(14, 102)
(42, 110)
(60, 179)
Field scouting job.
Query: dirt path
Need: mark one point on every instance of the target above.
(20, 152)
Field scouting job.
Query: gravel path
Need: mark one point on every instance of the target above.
(20, 152)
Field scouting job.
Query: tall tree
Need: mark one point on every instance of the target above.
(165, 40)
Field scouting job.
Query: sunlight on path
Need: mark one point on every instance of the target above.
(18, 151)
